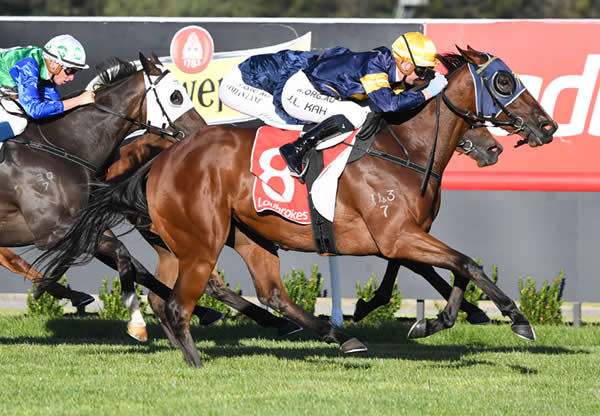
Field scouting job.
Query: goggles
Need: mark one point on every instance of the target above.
(71, 71)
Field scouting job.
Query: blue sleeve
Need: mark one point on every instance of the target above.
(377, 86)
(27, 76)
(386, 100)
(50, 92)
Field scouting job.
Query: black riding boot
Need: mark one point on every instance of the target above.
(294, 153)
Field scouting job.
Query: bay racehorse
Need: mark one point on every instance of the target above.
(199, 189)
(478, 144)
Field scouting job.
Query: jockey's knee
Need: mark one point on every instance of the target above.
(6, 131)
(19, 125)
(12, 128)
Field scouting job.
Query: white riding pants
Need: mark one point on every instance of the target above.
(16, 122)
(302, 101)
(238, 95)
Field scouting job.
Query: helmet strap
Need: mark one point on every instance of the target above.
(56, 70)
(406, 72)
(412, 58)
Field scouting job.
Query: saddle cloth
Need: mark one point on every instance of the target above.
(276, 190)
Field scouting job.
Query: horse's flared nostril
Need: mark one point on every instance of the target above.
(496, 149)
(549, 128)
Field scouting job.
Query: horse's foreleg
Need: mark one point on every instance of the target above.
(263, 265)
(382, 294)
(420, 247)
(474, 315)
(16, 264)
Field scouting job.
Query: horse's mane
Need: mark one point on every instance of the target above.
(113, 70)
(452, 61)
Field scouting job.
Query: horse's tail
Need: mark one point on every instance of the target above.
(109, 205)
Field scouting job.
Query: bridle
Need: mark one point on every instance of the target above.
(480, 119)
(175, 136)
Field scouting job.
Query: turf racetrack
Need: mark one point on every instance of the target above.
(75, 365)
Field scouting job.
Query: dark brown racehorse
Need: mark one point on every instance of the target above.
(200, 189)
(45, 175)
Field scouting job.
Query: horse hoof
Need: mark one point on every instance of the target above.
(82, 301)
(418, 330)
(139, 333)
(359, 313)
(210, 317)
(524, 331)
(352, 345)
(288, 328)
(478, 318)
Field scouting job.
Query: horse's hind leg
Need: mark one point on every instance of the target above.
(420, 247)
(263, 265)
(113, 253)
(190, 285)
(167, 271)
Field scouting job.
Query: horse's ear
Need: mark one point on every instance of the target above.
(149, 66)
(155, 59)
(472, 56)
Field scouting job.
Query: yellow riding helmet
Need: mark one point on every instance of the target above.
(422, 48)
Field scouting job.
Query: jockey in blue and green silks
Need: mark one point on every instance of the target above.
(30, 75)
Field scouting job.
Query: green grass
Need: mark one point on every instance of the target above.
(78, 366)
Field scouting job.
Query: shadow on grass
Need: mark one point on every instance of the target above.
(230, 339)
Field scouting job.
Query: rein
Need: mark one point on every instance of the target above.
(57, 151)
(162, 131)
(63, 154)
(139, 122)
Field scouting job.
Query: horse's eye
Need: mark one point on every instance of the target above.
(176, 98)
(504, 83)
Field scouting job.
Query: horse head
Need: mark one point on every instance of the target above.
(480, 146)
(502, 100)
(168, 103)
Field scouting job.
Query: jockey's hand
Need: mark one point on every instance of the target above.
(436, 85)
(87, 97)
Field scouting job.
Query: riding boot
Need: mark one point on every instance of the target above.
(295, 152)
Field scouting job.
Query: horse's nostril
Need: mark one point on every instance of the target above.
(549, 128)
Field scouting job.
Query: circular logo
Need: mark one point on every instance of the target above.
(192, 49)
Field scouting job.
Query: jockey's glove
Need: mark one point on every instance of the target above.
(436, 85)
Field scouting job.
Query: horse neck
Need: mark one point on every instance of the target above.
(418, 134)
(93, 134)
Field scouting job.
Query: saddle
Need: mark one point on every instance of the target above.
(323, 232)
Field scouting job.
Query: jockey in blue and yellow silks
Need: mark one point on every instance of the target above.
(30, 76)
(340, 88)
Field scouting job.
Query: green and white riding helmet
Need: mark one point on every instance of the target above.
(67, 51)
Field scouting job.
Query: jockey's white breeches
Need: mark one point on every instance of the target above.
(302, 101)
(17, 123)
(238, 95)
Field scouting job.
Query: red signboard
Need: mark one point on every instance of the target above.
(559, 62)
